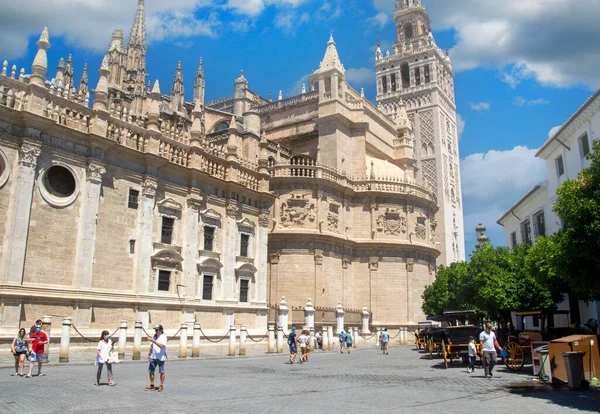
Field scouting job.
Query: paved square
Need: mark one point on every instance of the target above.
(363, 382)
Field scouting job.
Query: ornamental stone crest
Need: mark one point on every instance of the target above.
(318, 257)
(296, 210)
(232, 209)
(149, 187)
(410, 266)
(274, 258)
(95, 173)
(373, 263)
(333, 218)
(28, 155)
(263, 218)
(345, 262)
(391, 222)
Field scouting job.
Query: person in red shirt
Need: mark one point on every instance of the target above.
(38, 339)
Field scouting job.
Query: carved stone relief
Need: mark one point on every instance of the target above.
(263, 218)
(28, 155)
(296, 210)
(391, 222)
(333, 218)
(319, 257)
(95, 173)
(420, 228)
(373, 263)
(274, 258)
(232, 209)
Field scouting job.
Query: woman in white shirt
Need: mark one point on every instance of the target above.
(103, 351)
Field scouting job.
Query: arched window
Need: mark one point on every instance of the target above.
(221, 126)
(424, 150)
(405, 71)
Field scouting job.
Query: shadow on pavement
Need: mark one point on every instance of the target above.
(585, 400)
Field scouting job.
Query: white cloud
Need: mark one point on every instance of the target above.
(551, 41)
(461, 123)
(494, 181)
(256, 7)
(554, 131)
(380, 19)
(289, 22)
(296, 88)
(480, 106)
(359, 77)
(520, 101)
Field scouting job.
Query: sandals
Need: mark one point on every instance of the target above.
(111, 383)
(14, 375)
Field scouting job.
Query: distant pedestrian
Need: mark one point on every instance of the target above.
(293, 345)
(20, 350)
(318, 341)
(302, 341)
(37, 339)
(310, 345)
(105, 346)
(379, 340)
(157, 355)
(37, 324)
(385, 339)
(349, 341)
(472, 354)
(489, 343)
(342, 341)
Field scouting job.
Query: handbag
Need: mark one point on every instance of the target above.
(113, 357)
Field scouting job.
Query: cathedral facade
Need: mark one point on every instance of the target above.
(138, 205)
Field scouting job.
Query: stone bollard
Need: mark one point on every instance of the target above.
(355, 336)
(232, 336)
(137, 341)
(183, 341)
(330, 335)
(122, 339)
(283, 314)
(65, 340)
(279, 340)
(271, 343)
(243, 335)
(313, 345)
(325, 339)
(404, 335)
(196, 341)
(46, 327)
(339, 317)
(378, 332)
(309, 315)
(365, 320)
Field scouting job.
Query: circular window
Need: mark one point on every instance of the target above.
(58, 185)
(59, 181)
(4, 170)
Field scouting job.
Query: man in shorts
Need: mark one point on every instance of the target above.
(293, 345)
(385, 339)
(38, 339)
(157, 356)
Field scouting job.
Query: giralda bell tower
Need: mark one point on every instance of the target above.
(418, 76)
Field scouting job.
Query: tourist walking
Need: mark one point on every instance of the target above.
(302, 341)
(349, 341)
(472, 354)
(20, 349)
(37, 324)
(385, 339)
(157, 355)
(292, 343)
(105, 346)
(38, 339)
(310, 345)
(489, 343)
(342, 341)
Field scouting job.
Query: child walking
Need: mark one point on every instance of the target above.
(472, 355)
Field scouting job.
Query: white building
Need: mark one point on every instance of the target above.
(533, 216)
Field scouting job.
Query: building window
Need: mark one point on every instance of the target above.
(209, 237)
(59, 181)
(427, 74)
(384, 84)
(584, 145)
(207, 287)
(405, 72)
(526, 232)
(536, 321)
(393, 79)
(131, 246)
(539, 227)
(244, 283)
(164, 280)
(166, 235)
(417, 76)
(513, 239)
(132, 201)
(560, 166)
(244, 241)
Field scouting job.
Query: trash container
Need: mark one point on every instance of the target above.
(574, 365)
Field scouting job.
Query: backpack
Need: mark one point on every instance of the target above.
(290, 341)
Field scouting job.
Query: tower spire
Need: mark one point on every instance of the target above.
(199, 84)
(137, 37)
(177, 91)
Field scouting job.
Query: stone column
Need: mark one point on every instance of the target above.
(145, 250)
(243, 334)
(325, 338)
(122, 339)
(137, 341)
(409, 269)
(28, 156)
(355, 336)
(232, 242)
(283, 314)
(196, 341)
(271, 345)
(279, 339)
(318, 288)
(183, 341)
(373, 266)
(46, 327)
(232, 336)
(312, 337)
(378, 332)
(309, 315)
(330, 335)
(274, 276)
(261, 255)
(191, 247)
(339, 316)
(365, 320)
(65, 340)
(86, 238)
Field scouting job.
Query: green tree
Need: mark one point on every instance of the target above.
(445, 292)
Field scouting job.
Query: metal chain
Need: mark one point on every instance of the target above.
(80, 334)
(113, 334)
(395, 336)
(174, 336)
(260, 340)
(364, 337)
(210, 340)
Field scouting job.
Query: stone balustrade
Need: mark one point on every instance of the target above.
(284, 103)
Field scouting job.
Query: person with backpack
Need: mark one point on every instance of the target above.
(385, 339)
(292, 342)
(349, 341)
(342, 341)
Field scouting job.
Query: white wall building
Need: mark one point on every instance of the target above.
(533, 216)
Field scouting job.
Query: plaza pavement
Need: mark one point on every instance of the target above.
(362, 382)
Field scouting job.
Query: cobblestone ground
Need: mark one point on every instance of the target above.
(364, 381)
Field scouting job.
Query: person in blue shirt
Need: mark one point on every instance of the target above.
(385, 339)
(342, 341)
(349, 341)
(293, 345)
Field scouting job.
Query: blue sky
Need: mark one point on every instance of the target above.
(522, 66)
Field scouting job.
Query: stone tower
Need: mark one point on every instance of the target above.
(482, 238)
(418, 76)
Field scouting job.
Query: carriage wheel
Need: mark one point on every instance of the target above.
(445, 353)
(516, 356)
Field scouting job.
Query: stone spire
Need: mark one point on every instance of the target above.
(197, 129)
(40, 62)
(482, 238)
(59, 78)
(135, 60)
(69, 70)
(83, 83)
(331, 59)
(199, 84)
(177, 91)
(137, 37)
(232, 141)
(378, 53)
(101, 91)
(154, 108)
